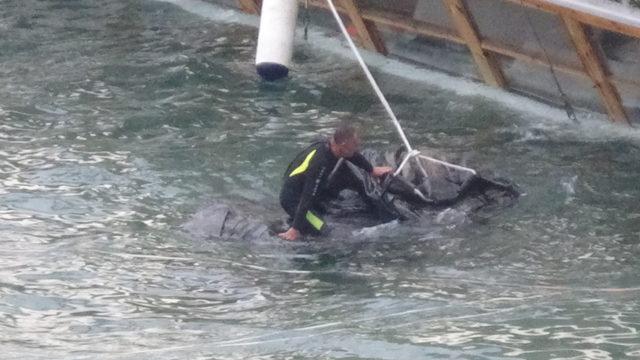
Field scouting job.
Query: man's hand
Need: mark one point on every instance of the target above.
(379, 171)
(292, 234)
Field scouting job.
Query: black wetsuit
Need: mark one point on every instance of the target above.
(305, 184)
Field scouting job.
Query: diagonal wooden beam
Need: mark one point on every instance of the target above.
(249, 6)
(403, 23)
(488, 66)
(367, 30)
(374, 34)
(596, 69)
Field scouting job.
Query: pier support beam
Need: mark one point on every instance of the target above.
(486, 51)
(596, 70)
(250, 6)
(367, 31)
(487, 65)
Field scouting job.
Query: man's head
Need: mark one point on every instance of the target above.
(345, 141)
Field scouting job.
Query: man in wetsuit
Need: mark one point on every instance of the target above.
(313, 175)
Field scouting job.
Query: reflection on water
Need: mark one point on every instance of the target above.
(120, 119)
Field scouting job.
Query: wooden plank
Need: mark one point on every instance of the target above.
(581, 16)
(400, 22)
(375, 37)
(539, 59)
(596, 70)
(488, 66)
(249, 6)
(530, 58)
(367, 31)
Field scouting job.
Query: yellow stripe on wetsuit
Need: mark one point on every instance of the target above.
(305, 164)
(314, 220)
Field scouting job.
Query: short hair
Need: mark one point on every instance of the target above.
(345, 132)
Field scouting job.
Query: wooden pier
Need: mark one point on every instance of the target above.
(485, 51)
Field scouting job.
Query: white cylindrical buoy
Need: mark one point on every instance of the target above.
(275, 38)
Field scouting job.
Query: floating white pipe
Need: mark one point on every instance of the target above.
(275, 38)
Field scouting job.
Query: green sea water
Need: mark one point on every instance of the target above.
(120, 119)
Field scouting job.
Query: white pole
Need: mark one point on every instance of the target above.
(373, 82)
(446, 164)
(378, 92)
(410, 152)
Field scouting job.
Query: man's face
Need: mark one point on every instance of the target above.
(349, 147)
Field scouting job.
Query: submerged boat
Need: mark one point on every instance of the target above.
(407, 197)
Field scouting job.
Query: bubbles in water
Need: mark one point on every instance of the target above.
(569, 187)
(451, 217)
(385, 229)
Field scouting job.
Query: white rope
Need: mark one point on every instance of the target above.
(375, 87)
(373, 82)
(447, 164)
(414, 153)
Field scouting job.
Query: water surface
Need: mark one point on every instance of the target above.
(120, 119)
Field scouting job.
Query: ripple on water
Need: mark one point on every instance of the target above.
(119, 119)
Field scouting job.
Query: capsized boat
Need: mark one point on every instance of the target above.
(407, 196)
